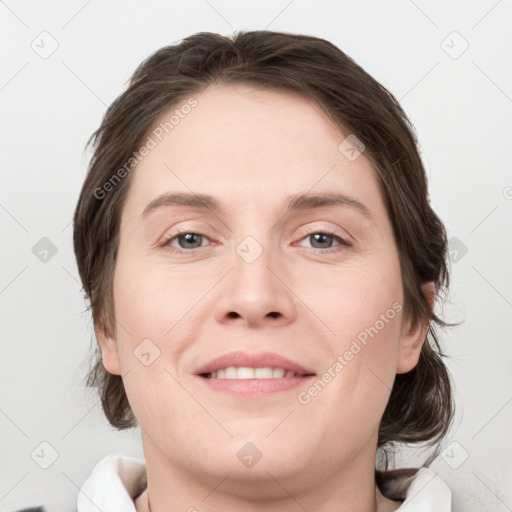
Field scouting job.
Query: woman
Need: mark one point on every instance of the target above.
(262, 262)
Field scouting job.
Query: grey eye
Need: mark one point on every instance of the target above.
(321, 240)
(190, 240)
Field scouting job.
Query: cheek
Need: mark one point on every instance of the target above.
(356, 302)
(158, 310)
(363, 311)
(151, 303)
(150, 306)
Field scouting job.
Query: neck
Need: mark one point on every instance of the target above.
(172, 488)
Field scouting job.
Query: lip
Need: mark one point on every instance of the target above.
(260, 360)
(255, 388)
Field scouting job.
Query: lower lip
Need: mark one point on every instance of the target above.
(255, 386)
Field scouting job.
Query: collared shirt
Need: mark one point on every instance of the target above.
(117, 480)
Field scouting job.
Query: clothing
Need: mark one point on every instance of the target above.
(117, 480)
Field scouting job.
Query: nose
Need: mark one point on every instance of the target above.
(255, 293)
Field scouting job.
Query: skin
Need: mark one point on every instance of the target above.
(250, 149)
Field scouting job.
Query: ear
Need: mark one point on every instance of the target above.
(109, 353)
(415, 335)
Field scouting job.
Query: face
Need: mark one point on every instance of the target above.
(317, 283)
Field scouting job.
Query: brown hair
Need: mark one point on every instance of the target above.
(420, 407)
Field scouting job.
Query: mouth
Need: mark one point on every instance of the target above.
(253, 374)
(246, 372)
(243, 365)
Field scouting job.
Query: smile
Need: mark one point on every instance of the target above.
(244, 372)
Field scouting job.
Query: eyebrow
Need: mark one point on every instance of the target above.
(295, 202)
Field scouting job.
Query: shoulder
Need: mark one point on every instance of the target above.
(113, 484)
(419, 489)
(32, 509)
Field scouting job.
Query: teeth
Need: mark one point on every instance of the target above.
(244, 372)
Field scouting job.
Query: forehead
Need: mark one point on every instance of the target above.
(250, 147)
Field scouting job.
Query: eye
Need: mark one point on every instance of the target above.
(186, 240)
(324, 240)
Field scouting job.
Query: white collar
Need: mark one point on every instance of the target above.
(116, 480)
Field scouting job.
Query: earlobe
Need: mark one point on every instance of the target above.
(415, 336)
(109, 352)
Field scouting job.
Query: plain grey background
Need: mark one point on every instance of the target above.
(63, 63)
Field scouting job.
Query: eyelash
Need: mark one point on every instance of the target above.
(342, 241)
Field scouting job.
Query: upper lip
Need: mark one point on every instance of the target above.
(260, 360)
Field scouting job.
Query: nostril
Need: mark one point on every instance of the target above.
(234, 314)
